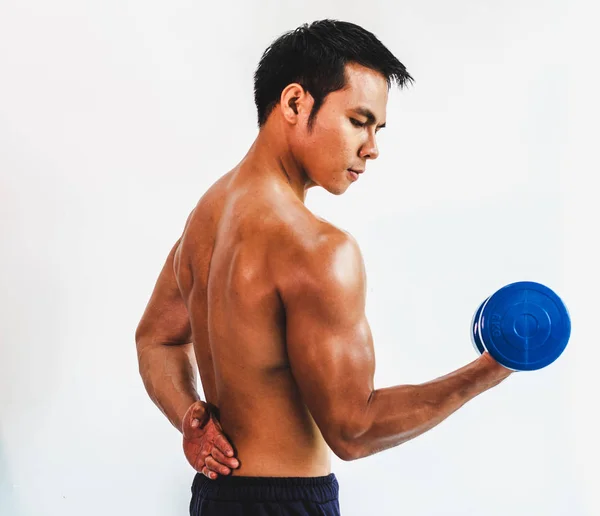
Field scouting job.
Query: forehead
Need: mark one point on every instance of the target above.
(364, 87)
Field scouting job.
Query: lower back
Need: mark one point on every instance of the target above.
(271, 429)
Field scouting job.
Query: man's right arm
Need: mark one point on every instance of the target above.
(331, 355)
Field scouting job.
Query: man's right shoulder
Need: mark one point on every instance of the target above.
(326, 255)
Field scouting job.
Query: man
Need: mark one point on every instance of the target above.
(270, 300)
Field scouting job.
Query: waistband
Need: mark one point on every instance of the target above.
(277, 489)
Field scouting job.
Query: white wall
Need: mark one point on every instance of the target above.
(114, 119)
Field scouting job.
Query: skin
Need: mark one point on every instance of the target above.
(268, 301)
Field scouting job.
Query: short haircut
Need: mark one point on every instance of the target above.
(315, 56)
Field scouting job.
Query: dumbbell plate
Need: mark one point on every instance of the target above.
(525, 326)
(475, 337)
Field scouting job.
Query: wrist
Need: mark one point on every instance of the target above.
(497, 370)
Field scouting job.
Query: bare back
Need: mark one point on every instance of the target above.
(226, 267)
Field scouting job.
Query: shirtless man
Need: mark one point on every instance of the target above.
(268, 300)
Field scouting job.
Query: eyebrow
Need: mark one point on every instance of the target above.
(368, 114)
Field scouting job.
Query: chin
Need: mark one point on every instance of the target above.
(335, 185)
(336, 189)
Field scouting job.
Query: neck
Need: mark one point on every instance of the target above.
(270, 156)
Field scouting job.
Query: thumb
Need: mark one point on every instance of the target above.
(197, 413)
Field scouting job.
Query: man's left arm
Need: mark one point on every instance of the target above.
(167, 365)
(164, 348)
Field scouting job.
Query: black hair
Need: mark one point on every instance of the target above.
(314, 56)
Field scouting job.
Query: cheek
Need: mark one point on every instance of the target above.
(337, 145)
(349, 138)
(330, 149)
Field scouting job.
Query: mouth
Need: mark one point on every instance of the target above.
(354, 173)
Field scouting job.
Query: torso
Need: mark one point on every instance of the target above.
(227, 266)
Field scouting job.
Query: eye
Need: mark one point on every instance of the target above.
(356, 123)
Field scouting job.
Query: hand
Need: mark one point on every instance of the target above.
(486, 357)
(205, 446)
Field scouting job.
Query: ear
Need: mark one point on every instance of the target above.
(295, 103)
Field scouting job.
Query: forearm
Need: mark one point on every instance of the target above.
(397, 414)
(169, 375)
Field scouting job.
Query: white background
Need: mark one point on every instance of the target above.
(115, 116)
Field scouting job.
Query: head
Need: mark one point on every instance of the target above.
(328, 84)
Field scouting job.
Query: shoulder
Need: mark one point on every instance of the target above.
(333, 249)
(322, 259)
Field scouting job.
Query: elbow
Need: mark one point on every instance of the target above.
(347, 430)
(348, 450)
(143, 357)
(348, 442)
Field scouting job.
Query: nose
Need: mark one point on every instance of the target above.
(369, 150)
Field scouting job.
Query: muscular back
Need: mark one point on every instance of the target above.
(236, 246)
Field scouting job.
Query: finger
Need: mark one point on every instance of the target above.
(231, 462)
(213, 465)
(223, 445)
(209, 474)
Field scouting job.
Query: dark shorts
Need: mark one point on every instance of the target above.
(265, 496)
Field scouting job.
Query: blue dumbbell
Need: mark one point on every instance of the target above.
(524, 326)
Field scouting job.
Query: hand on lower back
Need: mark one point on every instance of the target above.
(205, 445)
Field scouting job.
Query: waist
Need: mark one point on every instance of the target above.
(319, 489)
(282, 458)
